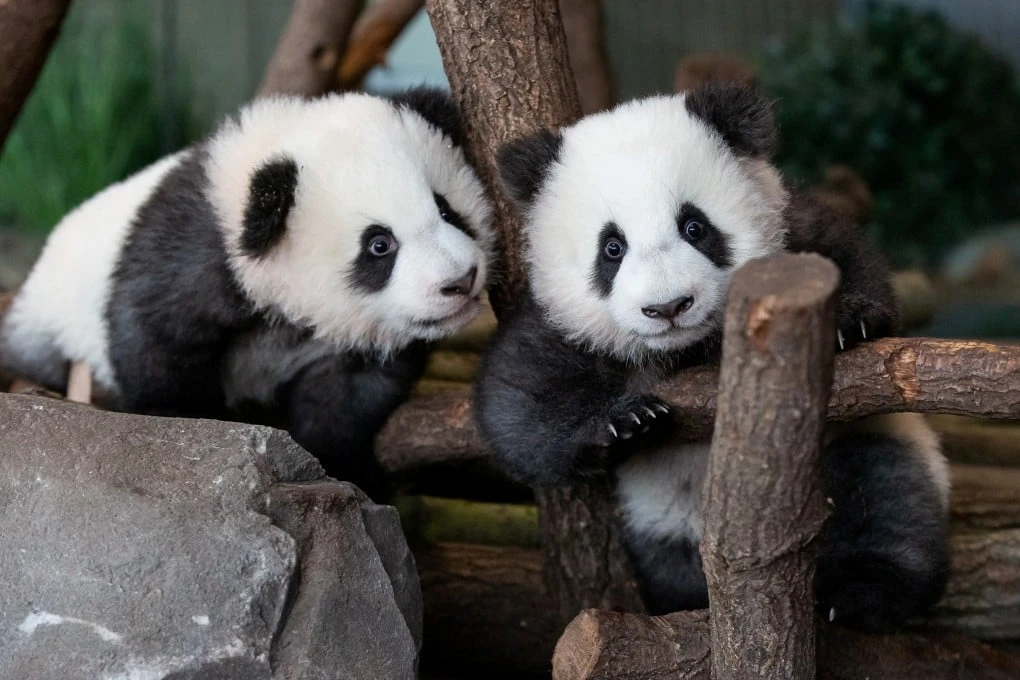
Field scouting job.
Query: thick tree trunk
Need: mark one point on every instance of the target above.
(585, 28)
(509, 71)
(764, 505)
(600, 645)
(309, 51)
(373, 34)
(28, 29)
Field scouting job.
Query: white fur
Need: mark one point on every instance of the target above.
(61, 305)
(660, 491)
(360, 162)
(636, 165)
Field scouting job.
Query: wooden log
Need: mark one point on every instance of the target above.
(982, 599)
(509, 71)
(977, 442)
(893, 374)
(28, 28)
(584, 25)
(487, 612)
(764, 505)
(602, 645)
(373, 34)
(309, 51)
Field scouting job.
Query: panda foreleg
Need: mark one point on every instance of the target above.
(885, 555)
(866, 302)
(553, 413)
(335, 406)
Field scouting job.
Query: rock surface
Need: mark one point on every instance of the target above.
(137, 547)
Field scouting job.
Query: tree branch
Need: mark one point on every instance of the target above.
(310, 48)
(894, 374)
(373, 34)
(28, 28)
(602, 645)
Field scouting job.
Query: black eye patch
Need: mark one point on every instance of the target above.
(370, 271)
(452, 217)
(612, 248)
(696, 229)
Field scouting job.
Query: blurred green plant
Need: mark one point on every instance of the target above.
(95, 116)
(928, 116)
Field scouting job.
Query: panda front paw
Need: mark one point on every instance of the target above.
(634, 416)
(861, 318)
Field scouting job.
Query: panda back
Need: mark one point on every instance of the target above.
(58, 315)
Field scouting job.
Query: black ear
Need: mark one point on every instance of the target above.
(436, 107)
(270, 198)
(524, 163)
(739, 113)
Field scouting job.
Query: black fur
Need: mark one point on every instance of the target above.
(604, 268)
(524, 164)
(270, 198)
(669, 573)
(436, 107)
(546, 405)
(712, 243)
(739, 113)
(371, 272)
(173, 301)
(865, 296)
(335, 406)
(176, 314)
(885, 553)
(452, 217)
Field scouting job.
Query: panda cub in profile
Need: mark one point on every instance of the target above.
(635, 220)
(289, 270)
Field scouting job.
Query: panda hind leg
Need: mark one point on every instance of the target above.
(885, 555)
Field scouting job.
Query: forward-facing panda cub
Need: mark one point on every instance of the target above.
(635, 220)
(290, 270)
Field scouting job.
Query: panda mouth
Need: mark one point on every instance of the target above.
(468, 308)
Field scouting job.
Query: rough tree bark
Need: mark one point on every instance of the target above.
(509, 71)
(764, 505)
(600, 645)
(895, 374)
(310, 48)
(28, 29)
(371, 38)
(584, 26)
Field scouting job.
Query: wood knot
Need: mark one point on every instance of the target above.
(901, 366)
(759, 322)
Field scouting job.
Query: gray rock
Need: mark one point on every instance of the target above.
(137, 547)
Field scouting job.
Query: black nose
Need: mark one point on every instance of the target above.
(669, 310)
(462, 286)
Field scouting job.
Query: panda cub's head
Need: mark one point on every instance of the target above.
(635, 218)
(354, 215)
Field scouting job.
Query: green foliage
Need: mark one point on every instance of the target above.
(94, 117)
(926, 114)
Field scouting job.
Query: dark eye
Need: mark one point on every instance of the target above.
(381, 245)
(693, 230)
(445, 211)
(613, 248)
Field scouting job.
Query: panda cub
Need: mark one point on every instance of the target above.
(289, 270)
(635, 220)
